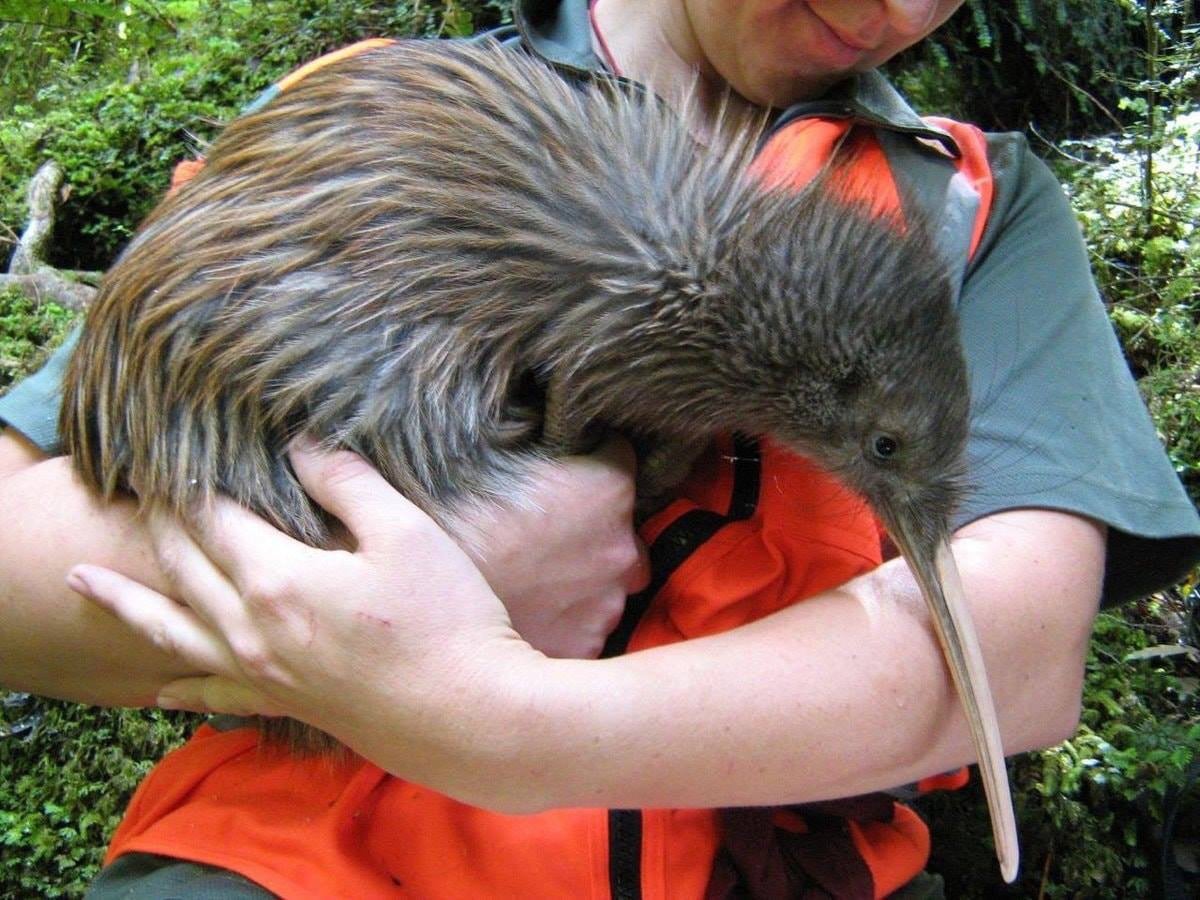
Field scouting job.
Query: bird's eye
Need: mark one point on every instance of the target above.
(884, 446)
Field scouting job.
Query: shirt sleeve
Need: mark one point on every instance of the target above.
(1057, 421)
(32, 406)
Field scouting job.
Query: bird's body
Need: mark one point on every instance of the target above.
(403, 252)
(406, 251)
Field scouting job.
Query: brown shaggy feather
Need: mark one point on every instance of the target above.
(402, 251)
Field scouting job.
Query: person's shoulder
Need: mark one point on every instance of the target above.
(1027, 196)
(1009, 153)
(1017, 172)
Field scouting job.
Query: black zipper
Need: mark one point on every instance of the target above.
(678, 541)
(625, 854)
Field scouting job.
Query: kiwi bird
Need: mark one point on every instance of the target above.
(450, 260)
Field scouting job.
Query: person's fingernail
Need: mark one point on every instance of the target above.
(167, 700)
(77, 581)
(304, 442)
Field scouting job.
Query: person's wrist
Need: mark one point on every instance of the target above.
(466, 730)
(533, 732)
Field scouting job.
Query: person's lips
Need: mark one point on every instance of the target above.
(848, 40)
(834, 33)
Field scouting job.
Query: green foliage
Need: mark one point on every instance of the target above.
(116, 144)
(1060, 66)
(1090, 809)
(66, 774)
(305, 30)
(1144, 248)
(53, 40)
(1146, 254)
(127, 90)
(117, 127)
(27, 330)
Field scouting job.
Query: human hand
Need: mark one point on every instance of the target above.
(365, 644)
(564, 561)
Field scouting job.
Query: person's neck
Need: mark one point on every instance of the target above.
(652, 42)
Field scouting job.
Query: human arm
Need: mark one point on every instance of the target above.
(465, 707)
(51, 643)
(55, 644)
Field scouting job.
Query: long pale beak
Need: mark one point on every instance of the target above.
(933, 565)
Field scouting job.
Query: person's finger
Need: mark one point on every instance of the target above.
(348, 487)
(225, 556)
(618, 451)
(637, 578)
(196, 562)
(214, 694)
(172, 628)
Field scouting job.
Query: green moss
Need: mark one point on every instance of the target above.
(145, 96)
(66, 774)
(28, 330)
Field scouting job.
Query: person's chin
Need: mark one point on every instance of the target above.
(783, 92)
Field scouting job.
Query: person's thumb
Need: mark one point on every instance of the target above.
(349, 488)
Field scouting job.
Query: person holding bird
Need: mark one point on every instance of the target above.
(502, 758)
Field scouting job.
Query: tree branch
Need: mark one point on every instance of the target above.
(49, 285)
(27, 271)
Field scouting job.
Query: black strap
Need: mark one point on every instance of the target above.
(671, 548)
(687, 534)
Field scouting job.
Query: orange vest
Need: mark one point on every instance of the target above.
(724, 553)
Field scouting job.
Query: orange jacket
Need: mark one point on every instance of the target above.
(725, 553)
(310, 828)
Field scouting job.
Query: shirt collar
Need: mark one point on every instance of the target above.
(560, 33)
(870, 98)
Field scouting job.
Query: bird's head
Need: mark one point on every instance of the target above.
(842, 343)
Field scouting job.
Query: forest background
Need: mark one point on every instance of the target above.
(1108, 92)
